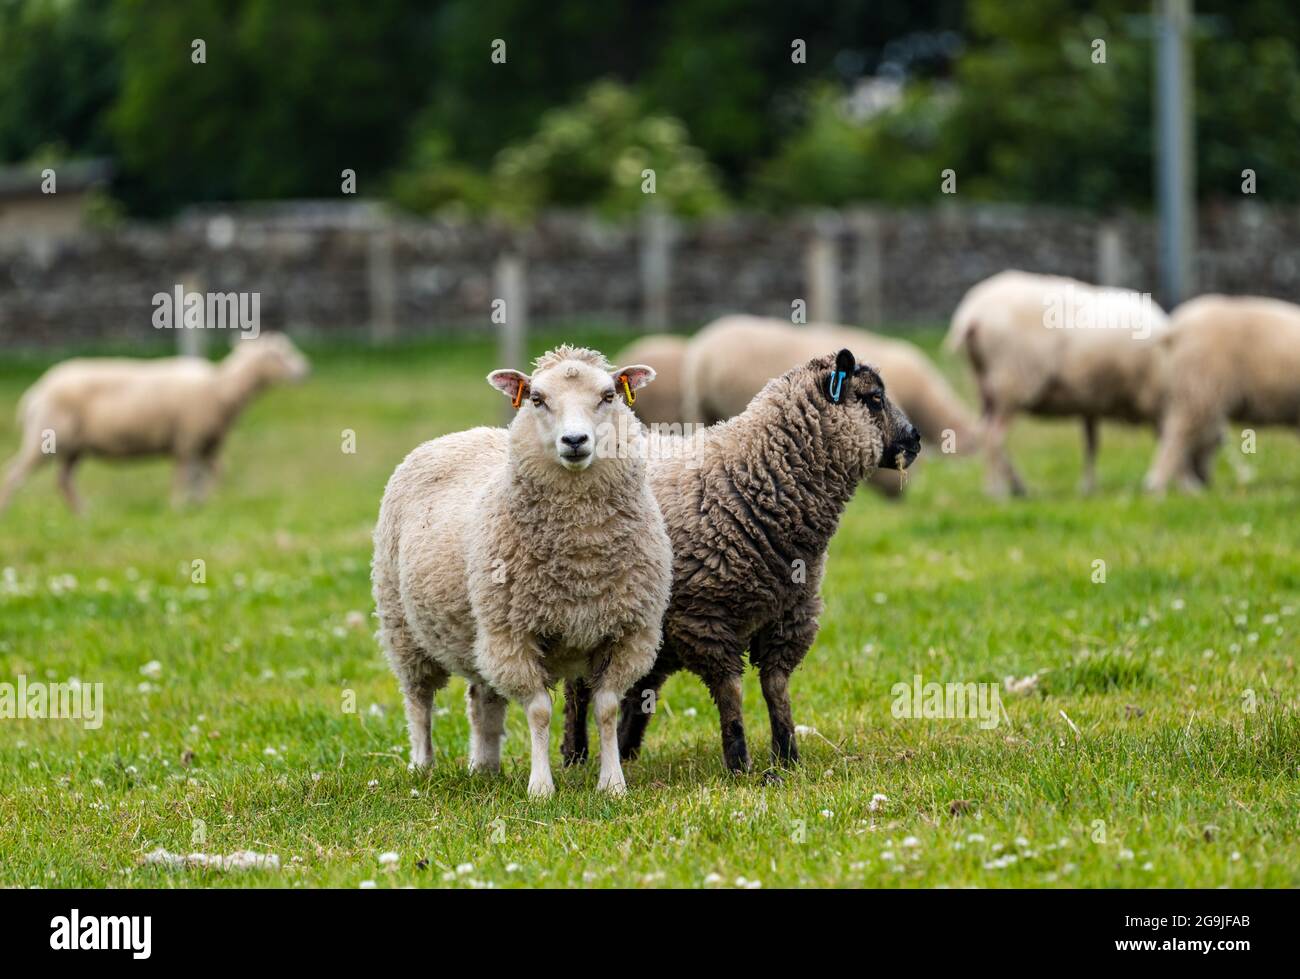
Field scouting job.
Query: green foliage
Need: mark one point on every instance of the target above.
(834, 161)
(58, 75)
(287, 99)
(1031, 117)
(593, 153)
(598, 151)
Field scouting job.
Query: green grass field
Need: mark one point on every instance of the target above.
(1160, 746)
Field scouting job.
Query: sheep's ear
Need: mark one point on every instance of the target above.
(836, 386)
(513, 384)
(628, 380)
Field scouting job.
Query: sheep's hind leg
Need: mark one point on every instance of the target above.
(1001, 476)
(20, 467)
(67, 466)
(639, 705)
(611, 772)
(1090, 439)
(573, 750)
(418, 691)
(487, 726)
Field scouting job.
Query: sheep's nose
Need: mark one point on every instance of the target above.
(574, 441)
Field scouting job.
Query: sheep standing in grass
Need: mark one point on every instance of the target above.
(517, 557)
(119, 408)
(751, 505)
(662, 404)
(1227, 359)
(729, 360)
(1057, 347)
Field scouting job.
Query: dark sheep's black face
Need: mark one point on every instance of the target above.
(858, 387)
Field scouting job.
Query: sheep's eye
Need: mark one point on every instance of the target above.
(607, 397)
(538, 401)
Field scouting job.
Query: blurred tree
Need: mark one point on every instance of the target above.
(1030, 116)
(290, 95)
(603, 151)
(58, 75)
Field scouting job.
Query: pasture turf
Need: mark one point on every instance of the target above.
(1158, 745)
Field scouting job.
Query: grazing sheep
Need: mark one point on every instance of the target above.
(121, 408)
(662, 404)
(515, 557)
(1057, 347)
(729, 360)
(1228, 358)
(751, 505)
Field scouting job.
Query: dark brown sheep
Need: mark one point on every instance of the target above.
(750, 511)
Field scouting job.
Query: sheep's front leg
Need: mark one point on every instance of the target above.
(726, 694)
(183, 481)
(611, 771)
(512, 665)
(1177, 435)
(540, 783)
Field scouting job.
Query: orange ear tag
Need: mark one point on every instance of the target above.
(519, 396)
(627, 390)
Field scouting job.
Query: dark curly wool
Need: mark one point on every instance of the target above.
(750, 516)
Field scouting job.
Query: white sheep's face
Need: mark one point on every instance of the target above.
(568, 406)
(276, 357)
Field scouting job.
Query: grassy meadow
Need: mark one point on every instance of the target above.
(1151, 738)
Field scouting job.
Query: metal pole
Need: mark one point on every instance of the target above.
(1175, 167)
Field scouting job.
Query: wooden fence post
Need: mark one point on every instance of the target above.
(822, 268)
(381, 280)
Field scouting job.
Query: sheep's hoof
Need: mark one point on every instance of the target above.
(541, 789)
(613, 786)
(772, 777)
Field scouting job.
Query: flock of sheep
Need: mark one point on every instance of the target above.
(602, 541)
(1037, 344)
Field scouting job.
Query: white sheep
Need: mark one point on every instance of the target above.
(119, 408)
(662, 404)
(517, 557)
(1228, 358)
(1058, 347)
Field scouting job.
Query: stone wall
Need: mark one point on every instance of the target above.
(326, 270)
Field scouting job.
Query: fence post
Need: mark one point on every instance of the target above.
(1110, 255)
(512, 291)
(657, 232)
(822, 268)
(868, 270)
(381, 276)
(191, 343)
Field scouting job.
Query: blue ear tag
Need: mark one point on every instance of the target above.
(836, 387)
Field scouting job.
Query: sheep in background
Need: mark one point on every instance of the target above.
(119, 408)
(730, 360)
(1058, 347)
(1228, 358)
(662, 404)
(517, 557)
(751, 506)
